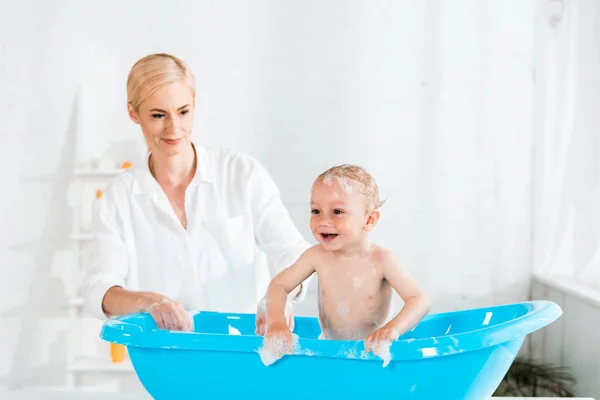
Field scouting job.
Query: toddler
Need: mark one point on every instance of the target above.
(355, 276)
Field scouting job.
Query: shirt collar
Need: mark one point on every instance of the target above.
(144, 182)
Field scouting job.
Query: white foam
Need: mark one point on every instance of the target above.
(233, 331)
(342, 310)
(382, 350)
(351, 354)
(343, 182)
(275, 348)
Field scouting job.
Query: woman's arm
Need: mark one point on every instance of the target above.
(109, 262)
(120, 301)
(104, 284)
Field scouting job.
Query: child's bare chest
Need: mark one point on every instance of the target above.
(344, 282)
(353, 301)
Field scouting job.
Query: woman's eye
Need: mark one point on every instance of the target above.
(183, 112)
(157, 116)
(338, 212)
(315, 212)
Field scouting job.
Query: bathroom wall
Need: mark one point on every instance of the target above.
(435, 98)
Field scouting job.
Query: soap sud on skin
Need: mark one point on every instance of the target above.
(342, 310)
(190, 314)
(163, 301)
(276, 349)
(343, 182)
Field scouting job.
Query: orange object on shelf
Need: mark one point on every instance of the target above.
(117, 352)
(98, 193)
(126, 165)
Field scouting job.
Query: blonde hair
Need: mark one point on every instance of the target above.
(154, 71)
(360, 175)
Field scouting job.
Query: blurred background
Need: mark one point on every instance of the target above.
(478, 118)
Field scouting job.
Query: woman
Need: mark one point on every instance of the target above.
(185, 230)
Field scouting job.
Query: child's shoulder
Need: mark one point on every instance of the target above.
(382, 254)
(315, 250)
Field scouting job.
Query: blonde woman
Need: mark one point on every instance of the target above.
(187, 230)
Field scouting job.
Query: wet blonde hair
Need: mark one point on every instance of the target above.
(154, 71)
(357, 174)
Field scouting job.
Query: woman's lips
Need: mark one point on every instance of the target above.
(172, 141)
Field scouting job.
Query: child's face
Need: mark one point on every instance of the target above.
(338, 212)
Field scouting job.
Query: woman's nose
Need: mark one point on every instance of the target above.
(171, 126)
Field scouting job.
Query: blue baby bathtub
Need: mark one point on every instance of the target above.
(460, 355)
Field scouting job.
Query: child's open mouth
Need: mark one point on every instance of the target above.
(328, 237)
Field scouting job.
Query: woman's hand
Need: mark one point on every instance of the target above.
(171, 315)
(167, 314)
(261, 316)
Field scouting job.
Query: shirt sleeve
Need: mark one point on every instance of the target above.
(108, 265)
(274, 229)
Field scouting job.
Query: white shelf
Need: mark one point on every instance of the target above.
(97, 364)
(82, 236)
(88, 172)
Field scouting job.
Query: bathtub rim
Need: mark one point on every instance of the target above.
(541, 313)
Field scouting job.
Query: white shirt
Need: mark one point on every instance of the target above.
(234, 218)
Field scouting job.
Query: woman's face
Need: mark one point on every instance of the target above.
(166, 118)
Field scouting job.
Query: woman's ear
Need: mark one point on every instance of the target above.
(132, 114)
(372, 219)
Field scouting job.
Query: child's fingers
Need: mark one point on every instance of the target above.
(368, 341)
(261, 324)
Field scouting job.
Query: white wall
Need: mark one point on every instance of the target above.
(566, 169)
(434, 97)
(570, 341)
(566, 221)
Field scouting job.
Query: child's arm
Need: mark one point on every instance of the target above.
(416, 302)
(278, 338)
(284, 283)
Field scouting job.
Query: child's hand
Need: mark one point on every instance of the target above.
(379, 342)
(383, 335)
(278, 342)
(261, 316)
